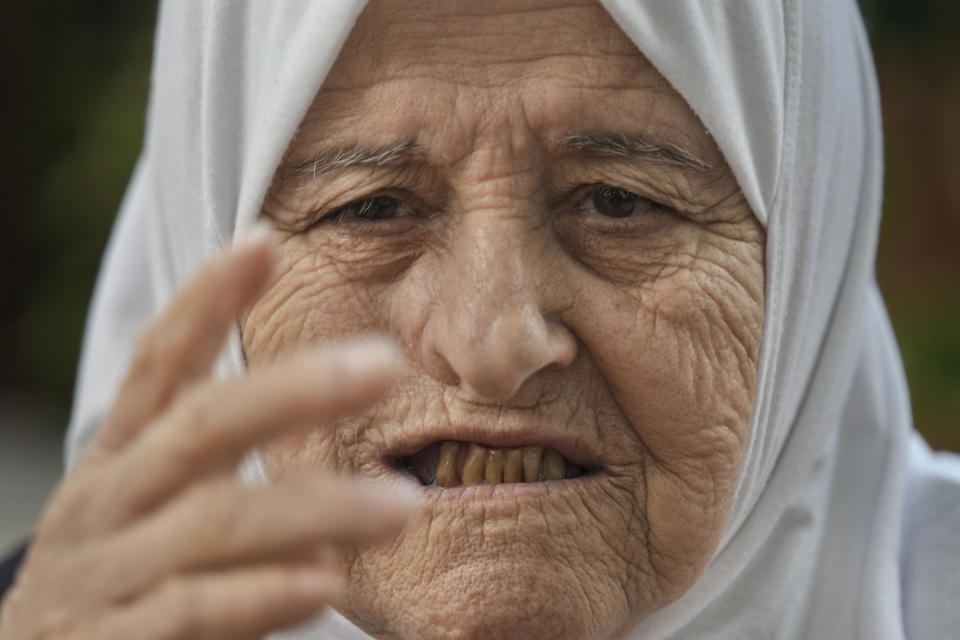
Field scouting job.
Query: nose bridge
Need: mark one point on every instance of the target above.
(495, 327)
(494, 271)
(497, 238)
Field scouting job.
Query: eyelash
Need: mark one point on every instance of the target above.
(588, 194)
(361, 208)
(357, 211)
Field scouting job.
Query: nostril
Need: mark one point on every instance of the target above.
(563, 346)
(483, 388)
(496, 369)
(490, 346)
(433, 348)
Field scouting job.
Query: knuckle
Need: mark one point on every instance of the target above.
(191, 431)
(197, 412)
(219, 513)
(229, 511)
(190, 438)
(181, 604)
(151, 351)
(73, 504)
(163, 346)
(181, 456)
(61, 508)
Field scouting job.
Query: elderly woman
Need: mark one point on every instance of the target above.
(608, 361)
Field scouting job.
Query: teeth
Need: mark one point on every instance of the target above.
(532, 456)
(473, 467)
(553, 465)
(481, 464)
(494, 471)
(447, 464)
(513, 466)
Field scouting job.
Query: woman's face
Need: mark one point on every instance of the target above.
(529, 208)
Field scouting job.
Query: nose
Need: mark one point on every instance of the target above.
(496, 323)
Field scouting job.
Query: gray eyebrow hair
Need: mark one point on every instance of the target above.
(620, 145)
(602, 144)
(353, 156)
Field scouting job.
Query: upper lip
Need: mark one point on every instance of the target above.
(572, 446)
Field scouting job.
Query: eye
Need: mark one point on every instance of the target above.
(614, 202)
(372, 208)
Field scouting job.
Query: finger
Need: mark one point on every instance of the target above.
(242, 603)
(182, 343)
(215, 423)
(222, 524)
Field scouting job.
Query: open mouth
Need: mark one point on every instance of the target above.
(452, 463)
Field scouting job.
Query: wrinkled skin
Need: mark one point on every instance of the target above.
(522, 307)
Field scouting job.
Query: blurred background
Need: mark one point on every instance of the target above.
(77, 74)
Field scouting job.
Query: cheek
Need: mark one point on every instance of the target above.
(679, 352)
(670, 331)
(308, 302)
(327, 286)
(316, 297)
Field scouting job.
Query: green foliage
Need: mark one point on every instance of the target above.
(81, 75)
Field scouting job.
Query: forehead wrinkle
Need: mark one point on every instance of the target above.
(443, 22)
(397, 38)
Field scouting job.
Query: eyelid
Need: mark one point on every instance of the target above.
(583, 192)
(415, 207)
(364, 204)
(663, 190)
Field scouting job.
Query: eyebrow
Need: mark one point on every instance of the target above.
(602, 144)
(607, 144)
(356, 155)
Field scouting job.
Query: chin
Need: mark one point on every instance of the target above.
(490, 598)
(475, 566)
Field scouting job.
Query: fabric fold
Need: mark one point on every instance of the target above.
(844, 525)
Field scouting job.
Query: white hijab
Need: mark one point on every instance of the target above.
(845, 526)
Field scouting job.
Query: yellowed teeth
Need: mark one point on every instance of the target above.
(496, 465)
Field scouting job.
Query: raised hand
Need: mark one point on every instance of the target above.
(150, 536)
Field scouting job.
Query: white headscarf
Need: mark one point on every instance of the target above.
(845, 526)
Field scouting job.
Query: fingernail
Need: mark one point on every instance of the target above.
(397, 497)
(326, 556)
(318, 583)
(373, 356)
(259, 233)
(406, 494)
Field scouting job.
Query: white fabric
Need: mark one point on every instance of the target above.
(845, 526)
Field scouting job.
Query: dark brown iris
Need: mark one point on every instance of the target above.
(614, 202)
(374, 208)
